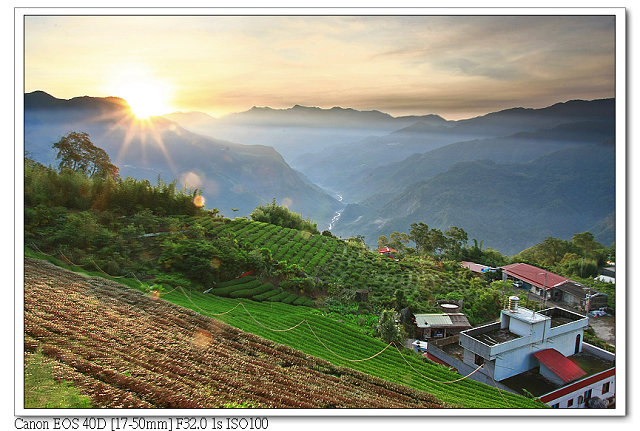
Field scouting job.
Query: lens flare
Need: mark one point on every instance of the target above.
(304, 234)
(216, 263)
(202, 338)
(191, 180)
(287, 202)
(199, 201)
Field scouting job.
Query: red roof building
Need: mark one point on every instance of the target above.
(386, 250)
(557, 367)
(533, 275)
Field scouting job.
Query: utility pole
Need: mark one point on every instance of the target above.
(544, 290)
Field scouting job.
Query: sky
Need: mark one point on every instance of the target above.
(453, 66)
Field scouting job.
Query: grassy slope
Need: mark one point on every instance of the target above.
(341, 340)
(42, 391)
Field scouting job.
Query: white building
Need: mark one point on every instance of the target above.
(541, 350)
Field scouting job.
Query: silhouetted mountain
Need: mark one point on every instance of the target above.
(230, 175)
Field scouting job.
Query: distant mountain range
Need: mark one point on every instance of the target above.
(509, 178)
(300, 129)
(231, 176)
(507, 205)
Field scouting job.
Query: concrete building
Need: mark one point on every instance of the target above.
(542, 352)
(579, 296)
(506, 347)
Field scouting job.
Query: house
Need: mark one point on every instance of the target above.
(477, 268)
(435, 326)
(537, 280)
(607, 274)
(549, 286)
(386, 251)
(579, 296)
(544, 353)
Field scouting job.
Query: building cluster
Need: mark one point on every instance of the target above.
(535, 353)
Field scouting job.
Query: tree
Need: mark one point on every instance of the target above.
(383, 241)
(456, 239)
(586, 242)
(398, 240)
(387, 329)
(77, 152)
(429, 241)
(553, 250)
(419, 233)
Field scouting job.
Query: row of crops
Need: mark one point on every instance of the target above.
(249, 287)
(126, 350)
(343, 345)
(325, 257)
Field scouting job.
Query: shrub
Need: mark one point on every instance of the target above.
(229, 290)
(250, 292)
(266, 295)
(289, 298)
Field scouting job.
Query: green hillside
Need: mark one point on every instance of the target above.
(155, 238)
(320, 334)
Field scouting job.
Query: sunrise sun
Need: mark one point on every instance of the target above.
(146, 98)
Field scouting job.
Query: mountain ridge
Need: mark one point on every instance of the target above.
(231, 175)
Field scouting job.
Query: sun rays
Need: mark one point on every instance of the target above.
(146, 98)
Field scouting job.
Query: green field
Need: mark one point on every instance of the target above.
(308, 330)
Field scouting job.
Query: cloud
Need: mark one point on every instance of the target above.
(440, 64)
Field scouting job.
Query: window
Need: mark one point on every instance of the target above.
(556, 406)
(479, 360)
(605, 388)
(570, 402)
(580, 399)
(587, 394)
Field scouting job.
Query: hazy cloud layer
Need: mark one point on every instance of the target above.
(453, 66)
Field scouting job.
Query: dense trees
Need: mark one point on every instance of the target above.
(281, 216)
(76, 190)
(581, 256)
(428, 241)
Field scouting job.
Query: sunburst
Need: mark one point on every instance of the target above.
(146, 98)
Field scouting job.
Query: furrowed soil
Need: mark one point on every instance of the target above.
(125, 349)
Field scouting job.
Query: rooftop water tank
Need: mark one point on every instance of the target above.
(450, 308)
(513, 303)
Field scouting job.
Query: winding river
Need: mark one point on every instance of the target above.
(337, 215)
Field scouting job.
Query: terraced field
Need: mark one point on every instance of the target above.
(52, 296)
(328, 258)
(126, 349)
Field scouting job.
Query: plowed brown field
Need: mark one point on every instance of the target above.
(127, 350)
